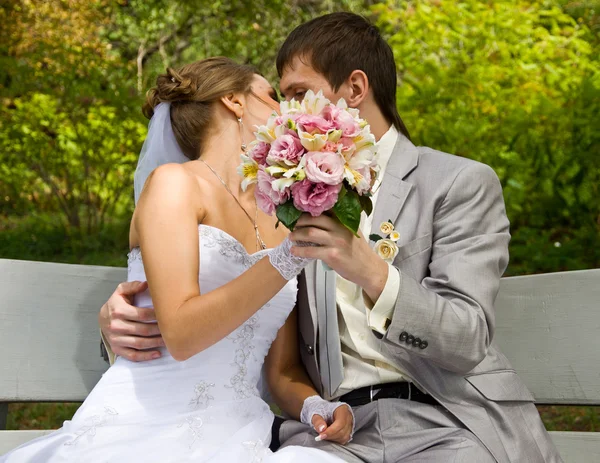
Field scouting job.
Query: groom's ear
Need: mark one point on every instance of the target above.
(234, 102)
(357, 88)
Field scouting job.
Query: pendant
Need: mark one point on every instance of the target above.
(259, 240)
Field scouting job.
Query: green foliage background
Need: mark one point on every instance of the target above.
(512, 83)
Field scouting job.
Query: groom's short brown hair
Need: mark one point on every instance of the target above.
(337, 44)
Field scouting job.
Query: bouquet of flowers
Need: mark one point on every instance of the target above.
(314, 157)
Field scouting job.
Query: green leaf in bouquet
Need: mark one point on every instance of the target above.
(366, 204)
(348, 209)
(375, 237)
(288, 215)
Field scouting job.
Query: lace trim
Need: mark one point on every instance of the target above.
(95, 422)
(238, 382)
(135, 255)
(228, 246)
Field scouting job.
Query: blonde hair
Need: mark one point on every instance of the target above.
(191, 90)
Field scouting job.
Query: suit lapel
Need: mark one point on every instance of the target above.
(394, 190)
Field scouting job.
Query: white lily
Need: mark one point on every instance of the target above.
(282, 183)
(290, 107)
(334, 135)
(295, 173)
(342, 104)
(248, 169)
(266, 134)
(312, 142)
(314, 104)
(365, 140)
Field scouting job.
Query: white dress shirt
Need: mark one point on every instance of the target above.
(363, 363)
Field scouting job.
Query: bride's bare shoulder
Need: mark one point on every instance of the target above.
(170, 187)
(171, 183)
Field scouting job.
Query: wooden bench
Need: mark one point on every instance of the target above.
(547, 325)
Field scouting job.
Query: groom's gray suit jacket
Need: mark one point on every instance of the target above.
(453, 250)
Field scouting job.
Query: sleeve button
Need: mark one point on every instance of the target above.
(410, 339)
(423, 344)
(403, 336)
(416, 342)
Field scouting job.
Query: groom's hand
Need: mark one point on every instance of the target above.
(131, 332)
(340, 430)
(350, 256)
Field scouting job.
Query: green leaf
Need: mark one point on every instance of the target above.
(348, 209)
(288, 215)
(366, 204)
(375, 237)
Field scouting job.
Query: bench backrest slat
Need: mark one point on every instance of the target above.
(549, 328)
(49, 338)
(547, 325)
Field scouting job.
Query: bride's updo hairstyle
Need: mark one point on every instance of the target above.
(191, 90)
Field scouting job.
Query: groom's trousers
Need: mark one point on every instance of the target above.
(397, 430)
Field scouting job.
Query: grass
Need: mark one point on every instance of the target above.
(41, 238)
(52, 415)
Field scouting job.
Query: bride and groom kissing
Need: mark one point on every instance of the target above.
(370, 361)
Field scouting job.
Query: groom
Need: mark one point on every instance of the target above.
(409, 345)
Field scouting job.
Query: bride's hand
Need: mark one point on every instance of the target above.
(318, 412)
(341, 428)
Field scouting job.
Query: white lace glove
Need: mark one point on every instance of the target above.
(316, 405)
(285, 263)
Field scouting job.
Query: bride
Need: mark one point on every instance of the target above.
(222, 281)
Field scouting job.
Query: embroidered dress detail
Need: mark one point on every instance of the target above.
(243, 338)
(202, 396)
(257, 450)
(95, 422)
(194, 426)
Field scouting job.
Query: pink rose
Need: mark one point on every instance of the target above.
(263, 202)
(259, 152)
(341, 120)
(286, 149)
(266, 196)
(324, 167)
(314, 198)
(331, 147)
(314, 124)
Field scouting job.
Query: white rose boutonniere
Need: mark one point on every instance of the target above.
(385, 246)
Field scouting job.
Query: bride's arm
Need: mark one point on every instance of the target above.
(166, 221)
(288, 381)
(290, 386)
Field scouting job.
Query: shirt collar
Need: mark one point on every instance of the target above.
(385, 147)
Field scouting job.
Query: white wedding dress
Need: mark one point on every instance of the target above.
(205, 409)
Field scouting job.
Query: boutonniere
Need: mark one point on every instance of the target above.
(385, 246)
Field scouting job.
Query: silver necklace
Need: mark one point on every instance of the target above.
(259, 242)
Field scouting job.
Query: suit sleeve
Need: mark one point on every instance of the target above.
(110, 356)
(448, 318)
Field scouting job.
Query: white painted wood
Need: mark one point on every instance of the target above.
(49, 334)
(577, 447)
(11, 439)
(549, 328)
